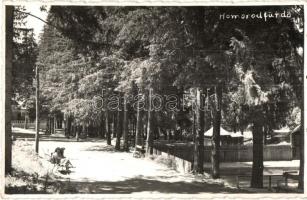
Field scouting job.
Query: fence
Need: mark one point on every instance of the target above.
(30, 124)
(235, 153)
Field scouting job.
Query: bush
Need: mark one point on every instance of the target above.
(169, 162)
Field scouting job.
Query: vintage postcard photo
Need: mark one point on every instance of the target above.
(153, 100)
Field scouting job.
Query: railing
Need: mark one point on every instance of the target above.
(29, 124)
(230, 153)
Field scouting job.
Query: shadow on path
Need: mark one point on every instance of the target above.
(146, 185)
(109, 149)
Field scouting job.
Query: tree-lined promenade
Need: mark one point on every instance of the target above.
(148, 73)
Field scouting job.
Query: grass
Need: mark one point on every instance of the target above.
(30, 175)
(25, 159)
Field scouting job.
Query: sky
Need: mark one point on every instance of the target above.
(34, 23)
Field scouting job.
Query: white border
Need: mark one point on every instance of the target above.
(139, 3)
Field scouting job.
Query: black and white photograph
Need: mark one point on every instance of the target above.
(153, 100)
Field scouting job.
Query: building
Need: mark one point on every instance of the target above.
(226, 137)
(295, 139)
(19, 113)
(279, 136)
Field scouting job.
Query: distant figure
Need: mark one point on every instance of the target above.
(57, 157)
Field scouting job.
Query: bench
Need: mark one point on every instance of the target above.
(270, 176)
(290, 175)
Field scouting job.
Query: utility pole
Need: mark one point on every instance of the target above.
(37, 108)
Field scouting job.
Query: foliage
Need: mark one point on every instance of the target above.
(24, 58)
(162, 47)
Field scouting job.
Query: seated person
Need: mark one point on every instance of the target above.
(57, 157)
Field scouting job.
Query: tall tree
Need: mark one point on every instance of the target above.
(138, 136)
(37, 119)
(125, 125)
(119, 128)
(9, 10)
(149, 139)
(216, 132)
(199, 134)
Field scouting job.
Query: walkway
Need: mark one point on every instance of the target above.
(100, 169)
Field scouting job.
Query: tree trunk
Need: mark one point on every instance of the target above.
(47, 132)
(8, 87)
(66, 129)
(215, 154)
(60, 121)
(37, 110)
(26, 122)
(145, 132)
(169, 135)
(51, 125)
(83, 133)
(107, 126)
(114, 124)
(199, 136)
(54, 123)
(64, 125)
(75, 129)
(133, 132)
(138, 139)
(73, 133)
(149, 141)
(155, 126)
(301, 172)
(125, 124)
(119, 129)
(102, 126)
(68, 126)
(257, 169)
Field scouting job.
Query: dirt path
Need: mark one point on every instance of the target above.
(101, 169)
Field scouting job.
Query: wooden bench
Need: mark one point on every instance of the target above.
(290, 175)
(269, 176)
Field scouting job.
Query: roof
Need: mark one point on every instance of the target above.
(237, 134)
(248, 134)
(297, 129)
(283, 130)
(223, 132)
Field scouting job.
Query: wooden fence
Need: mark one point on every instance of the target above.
(235, 153)
(30, 124)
